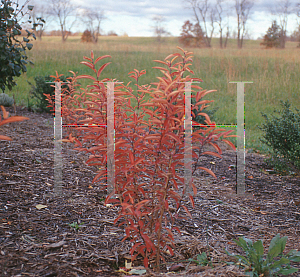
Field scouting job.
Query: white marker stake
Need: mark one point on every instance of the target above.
(110, 138)
(188, 140)
(240, 166)
(57, 141)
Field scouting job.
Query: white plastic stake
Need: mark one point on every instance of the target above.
(110, 138)
(188, 139)
(57, 141)
(240, 164)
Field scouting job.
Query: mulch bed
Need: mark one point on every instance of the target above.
(41, 242)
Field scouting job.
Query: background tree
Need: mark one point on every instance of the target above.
(93, 20)
(191, 35)
(242, 8)
(159, 29)
(297, 11)
(272, 37)
(87, 36)
(13, 56)
(64, 10)
(282, 11)
(219, 20)
(204, 14)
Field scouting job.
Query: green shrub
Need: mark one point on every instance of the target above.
(37, 91)
(6, 100)
(199, 118)
(282, 135)
(256, 263)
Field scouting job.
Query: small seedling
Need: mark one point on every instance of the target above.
(75, 225)
(256, 263)
(202, 260)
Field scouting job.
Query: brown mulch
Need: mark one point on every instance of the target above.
(40, 242)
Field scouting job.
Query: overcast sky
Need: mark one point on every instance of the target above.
(135, 17)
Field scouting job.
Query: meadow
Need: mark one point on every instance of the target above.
(274, 73)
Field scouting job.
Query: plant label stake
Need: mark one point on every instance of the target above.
(240, 150)
(57, 141)
(187, 139)
(110, 138)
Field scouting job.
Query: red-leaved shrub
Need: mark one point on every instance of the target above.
(149, 147)
(9, 120)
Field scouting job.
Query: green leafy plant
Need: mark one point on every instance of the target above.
(201, 259)
(43, 86)
(197, 114)
(282, 135)
(6, 100)
(149, 147)
(9, 120)
(13, 57)
(256, 263)
(75, 225)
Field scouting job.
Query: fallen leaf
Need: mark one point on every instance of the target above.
(40, 206)
(177, 267)
(137, 271)
(55, 245)
(297, 202)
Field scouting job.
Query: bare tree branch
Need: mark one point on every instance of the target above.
(93, 21)
(159, 29)
(282, 11)
(242, 8)
(63, 10)
(205, 17)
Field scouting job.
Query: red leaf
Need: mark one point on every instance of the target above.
(177, 229)
(229, 143)
(211, 153)
(146, 262)
(5, 138)
(90, 65)
(13, 119)
(187, 211)
(170, 249)
(86, 77)
(131, 158)
(102, 68)
(208, 171)
(102, 57)
(192, 201)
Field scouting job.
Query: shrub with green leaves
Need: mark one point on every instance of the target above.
(6, 100)
(199, 118)
(256, 263)
(42, 85)
(13, 57)
(282, 135)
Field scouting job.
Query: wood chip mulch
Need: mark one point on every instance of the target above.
(39, 241)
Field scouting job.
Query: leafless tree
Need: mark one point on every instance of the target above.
(282, 11)
(64, 11)
(297, 11)
(242, 8)
(93, 20)
(219, 20)
(159, 30)
(206, 15)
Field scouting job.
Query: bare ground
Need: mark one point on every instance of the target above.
(40, 242)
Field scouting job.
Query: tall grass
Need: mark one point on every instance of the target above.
(275, 73)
